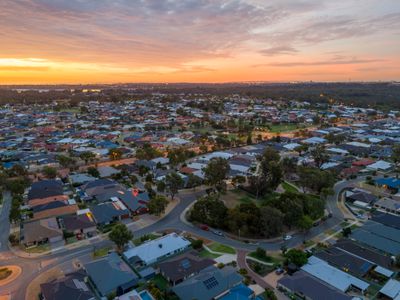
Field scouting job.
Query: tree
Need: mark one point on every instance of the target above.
(115, 154)
(49, 172)
(305, 223)
(261, 253)
(66, 161)
(161, 186)
(216, 171)
(297, 257)
(249, 138)
(269, 173)
(301, 149)
(209, 210)
(197, 244)
(396, 154)
(346, 231)
(271, 221)
(319, 155)
(193, 181)
(269, 295)
(120, 235)
(237, 180)
(173, 182)
(92, 171)
(157, 205)
(87, 156)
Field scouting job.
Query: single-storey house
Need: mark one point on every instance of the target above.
(156, 250)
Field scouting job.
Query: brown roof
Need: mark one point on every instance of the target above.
(184, 265)
(55, 212)
(41, 229)
(75, 222)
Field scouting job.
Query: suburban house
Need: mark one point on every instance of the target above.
(182, 267)
(156, 250)
(82, 225)
(109, 212)
(111, 275)
(391, 290)
(306, 286)
(40, 232)
(72, 286)
(330, 275)
(389, 183)
(210, 283)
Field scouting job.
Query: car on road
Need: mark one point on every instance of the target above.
(217, 232)
(204, 227)
(287, 237)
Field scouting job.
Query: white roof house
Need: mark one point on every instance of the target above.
(391, 289)
(380, 165)
(332, 276)
(314, 140)
(153, 251)
(219, 154)
(291, 146)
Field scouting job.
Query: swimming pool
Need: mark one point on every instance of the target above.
(146, 295)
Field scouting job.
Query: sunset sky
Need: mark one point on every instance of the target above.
(107, 41)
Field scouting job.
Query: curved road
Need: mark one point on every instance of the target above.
(32, 267)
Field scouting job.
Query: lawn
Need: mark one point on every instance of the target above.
(275, 128)
(276, 259)
(38, 249)
(217, 247)
(206, 254)
(288, 187)
(145, 238)
(238, 196)
(101, 252)
(160, 282)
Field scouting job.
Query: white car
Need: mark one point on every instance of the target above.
(287, 237)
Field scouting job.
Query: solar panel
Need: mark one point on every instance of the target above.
(210, 283)
(185, 264)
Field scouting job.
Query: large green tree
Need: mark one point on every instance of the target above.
(157, 205)
(216, 172)
(209, 210)
(173, 182)
(120, 235)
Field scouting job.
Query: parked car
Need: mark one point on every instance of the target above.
(287, 237)
(217, 232)
(204, 227)
(279, 271)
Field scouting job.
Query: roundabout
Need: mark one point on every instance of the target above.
(8, 274)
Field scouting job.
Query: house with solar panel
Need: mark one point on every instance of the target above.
(209, 283)
(182, 267)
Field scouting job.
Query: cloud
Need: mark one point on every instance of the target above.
(278, 50)
(353, 61)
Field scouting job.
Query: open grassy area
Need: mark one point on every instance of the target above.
(217, 247)
(274, 259)
(101, 252)
(206, 254)
(160, 282)
(38, 249)
(288, 187)
(235, 197)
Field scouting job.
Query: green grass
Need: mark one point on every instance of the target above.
(101, 252)
(38, 249)
(275, 128)
(145, 238)
(268, 259)
(160, 282)
(206, 254)
(217, 247)
(289, 187)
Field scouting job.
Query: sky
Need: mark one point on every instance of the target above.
(119, 41)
